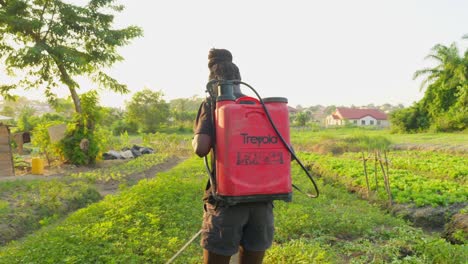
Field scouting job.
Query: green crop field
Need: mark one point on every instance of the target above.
(149, 222)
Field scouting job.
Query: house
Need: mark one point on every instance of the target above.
(358, 117)
(292, 110)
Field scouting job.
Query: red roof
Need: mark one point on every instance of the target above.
(355, 113)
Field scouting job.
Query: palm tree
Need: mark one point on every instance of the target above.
(444, 81)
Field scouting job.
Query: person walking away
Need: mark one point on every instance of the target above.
(244, 227)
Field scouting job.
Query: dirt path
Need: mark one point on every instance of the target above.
(104, 188)
(110, 187)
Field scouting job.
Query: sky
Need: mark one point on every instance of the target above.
(334, 52)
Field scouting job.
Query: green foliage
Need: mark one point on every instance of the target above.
(54, 41)
(432, 164)
(444, 105)
(298, 251)
(70, 145)
(20, 162)
(148, 109)
(121, 126)
(33, 204)
(41, 140)
(407, 186)
(412, 119)
(302, 118)
(7, 111)
(150, 222)
(91, 113)
(145, 224)
(186, 104)
(26, 119)
(178, 143)
(81, 145)
(121, 171)
(356, 142)
(110, 116)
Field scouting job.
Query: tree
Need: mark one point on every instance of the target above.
(148, 110)
(81, 144)
(52, 42)
(8, 111)
(27, 119)
(184, 110)
(186, 104)
(444, 106)
(447, 82)
(302, 118)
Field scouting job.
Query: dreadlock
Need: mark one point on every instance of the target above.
(221, 65)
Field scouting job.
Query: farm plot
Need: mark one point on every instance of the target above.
(149, 222)
(437, 187)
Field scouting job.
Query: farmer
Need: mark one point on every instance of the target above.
(245, 227)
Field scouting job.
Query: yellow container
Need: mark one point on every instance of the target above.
(37, 166)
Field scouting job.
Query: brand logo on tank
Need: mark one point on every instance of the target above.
(259, 140)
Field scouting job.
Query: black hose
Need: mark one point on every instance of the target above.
(209, 89)
(284, 143)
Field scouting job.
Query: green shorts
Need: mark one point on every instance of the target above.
(250, 225)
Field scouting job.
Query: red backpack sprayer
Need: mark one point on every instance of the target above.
(252, 152)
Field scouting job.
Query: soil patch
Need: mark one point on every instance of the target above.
(110, 187)
(454, 149)
(104, 188)
(431, 219)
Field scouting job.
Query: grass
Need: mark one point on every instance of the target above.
(406, 186)
(26, 206)
(304, 138)
(152, 220)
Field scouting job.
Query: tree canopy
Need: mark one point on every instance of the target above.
(444, 106)
(51, 42)
(148, 109)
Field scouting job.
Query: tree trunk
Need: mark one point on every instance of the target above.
(71, 86)
(76, 99)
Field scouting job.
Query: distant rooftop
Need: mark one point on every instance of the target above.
(357, 113)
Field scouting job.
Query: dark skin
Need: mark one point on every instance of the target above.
(245, 257)
(201, 143)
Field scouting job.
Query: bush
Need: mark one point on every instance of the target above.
(41, 139)
(453, 120)
(411, 119)
(79, 146)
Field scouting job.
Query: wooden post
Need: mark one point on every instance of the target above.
(18, 138)
(7, 167)
(375, 171)
(364, 160)
(388, 178)
(386, 181)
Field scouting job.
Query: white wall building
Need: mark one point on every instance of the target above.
(358, 117)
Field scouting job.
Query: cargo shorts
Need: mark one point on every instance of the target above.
(225, 228)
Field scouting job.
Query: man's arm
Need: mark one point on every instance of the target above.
(201, 144)
(202, 139)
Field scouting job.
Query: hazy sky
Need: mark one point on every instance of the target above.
(336, 52)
